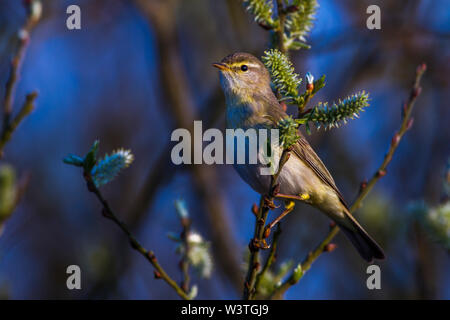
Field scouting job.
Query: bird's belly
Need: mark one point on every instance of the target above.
(296, 178)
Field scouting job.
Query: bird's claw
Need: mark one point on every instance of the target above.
(257, 244)
(268, 203)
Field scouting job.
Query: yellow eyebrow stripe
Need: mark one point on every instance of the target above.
(239, 64)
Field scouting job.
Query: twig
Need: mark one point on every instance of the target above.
(159, 174)
(149, 255)
(280, 29)
(406, 124)
(184, 263)
(270, 259)
(8, 125)
(258, 241)
(266, 201)
(16, 62)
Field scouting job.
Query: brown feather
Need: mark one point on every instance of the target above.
(304, 151)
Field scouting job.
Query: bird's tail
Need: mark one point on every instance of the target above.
(366, 246)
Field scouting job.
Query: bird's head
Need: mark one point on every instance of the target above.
(243, 76)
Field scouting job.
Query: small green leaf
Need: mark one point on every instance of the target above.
(91, 157)
(308, 129)
(297, 45)
(74, 160)
(319, 84)
(298, 273)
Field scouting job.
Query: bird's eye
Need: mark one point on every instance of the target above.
(244, 67)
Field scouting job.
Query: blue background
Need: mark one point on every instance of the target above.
(103, 82)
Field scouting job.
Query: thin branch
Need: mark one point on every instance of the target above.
(149, 255)
(160, 173)
(33, 15)
(11, 83)
(184, 263)
(10, 126)
(270, 259)
(266, 201)
(258, 240)
(406, 124)
(280, 29)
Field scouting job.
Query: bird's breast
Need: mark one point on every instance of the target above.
(296, 178)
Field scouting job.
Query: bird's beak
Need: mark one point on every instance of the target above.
(221, 66)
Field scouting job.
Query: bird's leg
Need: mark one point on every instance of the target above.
(290, 197)
(266, 204)
(288, 207)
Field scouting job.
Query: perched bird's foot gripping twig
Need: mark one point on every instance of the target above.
(268, 203)
(256, 244)
(288, 207)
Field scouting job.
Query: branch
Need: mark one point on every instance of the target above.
(184, 263)
(406, 124)
(34, 9)
(149, 255)
(10, 126)
(270, 259)
(160, 173)
(258, 241)
(266, 201)
(280, 30)
(292, 24)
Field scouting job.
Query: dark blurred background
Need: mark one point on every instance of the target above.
(139, 69)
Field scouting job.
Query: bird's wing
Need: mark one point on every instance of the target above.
(304, 151)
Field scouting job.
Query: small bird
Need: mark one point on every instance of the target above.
(251, 103)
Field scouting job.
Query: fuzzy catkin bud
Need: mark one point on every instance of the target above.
(282, 73)
(110, 166)
(329, 117)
